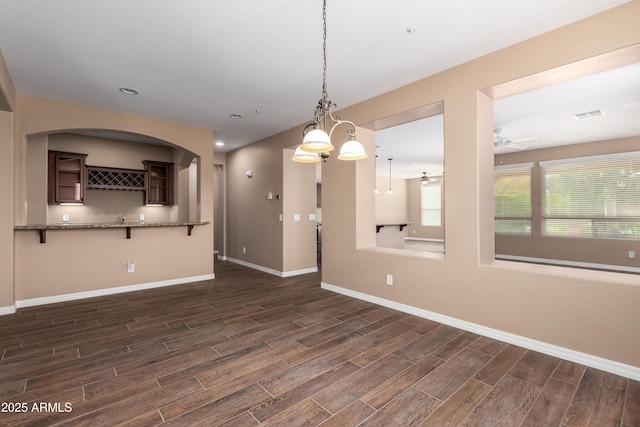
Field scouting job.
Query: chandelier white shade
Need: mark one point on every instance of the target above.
(317, 141)
(302, 156)
(317, 136)
(352, 150)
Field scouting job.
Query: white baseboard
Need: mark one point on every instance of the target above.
(7, 310)
(110, 291)
(290, 273)
(627, 371)
(591, 265)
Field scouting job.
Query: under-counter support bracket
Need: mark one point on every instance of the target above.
(42, 228)
(378, 227)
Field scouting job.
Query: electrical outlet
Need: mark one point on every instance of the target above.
(244, 250)
(141, 217)
(390, 279)
(131, 266)
(65, 217)
(632, 254)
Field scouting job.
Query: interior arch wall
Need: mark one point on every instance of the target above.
(83, 262)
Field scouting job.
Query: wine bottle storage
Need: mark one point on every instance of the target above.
(115, 179)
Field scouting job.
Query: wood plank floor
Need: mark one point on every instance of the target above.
(249, 348)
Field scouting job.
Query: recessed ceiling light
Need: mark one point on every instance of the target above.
(219, 143)
(235, 116)
(411, 30)
(128, 91)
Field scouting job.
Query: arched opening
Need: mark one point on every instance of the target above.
(119, 178)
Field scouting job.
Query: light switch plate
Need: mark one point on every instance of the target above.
(312, 217)
(296, 217)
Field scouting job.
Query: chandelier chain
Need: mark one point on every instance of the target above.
(324, 50)
(317, 134)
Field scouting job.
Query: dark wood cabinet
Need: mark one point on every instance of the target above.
(66, 177)
(158, 183)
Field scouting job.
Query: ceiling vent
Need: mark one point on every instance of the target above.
(588, 114)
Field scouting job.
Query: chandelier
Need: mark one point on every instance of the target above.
(316, 143)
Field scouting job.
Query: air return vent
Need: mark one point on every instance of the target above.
(588, 114)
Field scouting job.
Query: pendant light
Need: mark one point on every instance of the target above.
(390, 191)
(376, 186)
(316, 141)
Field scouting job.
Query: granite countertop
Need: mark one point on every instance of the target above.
(80, 225)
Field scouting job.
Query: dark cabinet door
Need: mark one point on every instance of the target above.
(66, 177)
(158, 183)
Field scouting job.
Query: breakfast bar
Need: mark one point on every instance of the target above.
(127, 226)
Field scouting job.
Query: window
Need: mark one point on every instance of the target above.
(431, 205)
(512, 190)
(594, 197)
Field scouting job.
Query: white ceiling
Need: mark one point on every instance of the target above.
(198, 61)
(532, 120)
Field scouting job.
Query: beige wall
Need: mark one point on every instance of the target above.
(7, 101)
(391, 209)
(596, 251)
(298, 198)
(75, 261)
(586, 311)
(6, 211)
(253, 220)
(219, 203)
(402, 207)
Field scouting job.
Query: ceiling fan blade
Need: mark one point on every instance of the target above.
(511, 146)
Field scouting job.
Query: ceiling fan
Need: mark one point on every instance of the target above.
(500, 141)
(425, 179)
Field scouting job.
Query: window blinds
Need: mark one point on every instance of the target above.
(430, 205)
(597, 197)
(512, 190)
